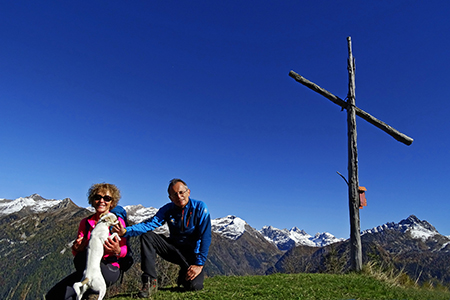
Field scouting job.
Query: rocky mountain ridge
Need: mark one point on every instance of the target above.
(230, 227)
(417, 228)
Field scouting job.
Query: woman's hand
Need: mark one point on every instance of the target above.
(79, 244)
(112, 246)
(119, 229)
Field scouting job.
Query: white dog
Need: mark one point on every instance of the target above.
(92, 276)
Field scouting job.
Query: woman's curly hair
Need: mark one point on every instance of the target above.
(113, 190)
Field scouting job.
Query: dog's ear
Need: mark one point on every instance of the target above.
(102, 215)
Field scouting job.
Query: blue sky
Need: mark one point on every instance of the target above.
(138, 92)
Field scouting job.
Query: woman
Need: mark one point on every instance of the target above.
(103, 197)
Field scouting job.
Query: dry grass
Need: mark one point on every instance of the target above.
(388, 274)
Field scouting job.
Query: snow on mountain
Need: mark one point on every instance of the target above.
(280, 237)
(233, 227)
(286, 239)
(35, 203)
(325, 238)
(139, 213)
(230, 227)
(417, 228)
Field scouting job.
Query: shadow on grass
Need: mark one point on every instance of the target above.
(174, 289)
(124, 295)
(134, 295)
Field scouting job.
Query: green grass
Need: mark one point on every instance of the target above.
(299, 286)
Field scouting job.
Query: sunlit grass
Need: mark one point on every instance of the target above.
(300, 286)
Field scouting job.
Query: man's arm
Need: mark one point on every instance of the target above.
(205, 235)
(204, 228)
(150, 224)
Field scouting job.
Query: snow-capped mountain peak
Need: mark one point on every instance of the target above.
(231, 227)
(139, 213)
(35, 203)
(417, 228)
(286, 239)
(280, 237)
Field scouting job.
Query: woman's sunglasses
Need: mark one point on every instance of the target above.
(97, 197)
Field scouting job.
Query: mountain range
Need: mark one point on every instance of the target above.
(36, 235)
(230, 227)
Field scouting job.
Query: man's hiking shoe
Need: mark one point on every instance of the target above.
(148, 289)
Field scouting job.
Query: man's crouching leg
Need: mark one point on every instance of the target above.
(149, 243)
(191, 285)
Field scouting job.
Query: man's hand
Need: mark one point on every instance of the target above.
(119, 229)
(112, 245)
(79, 244)
(193, 272)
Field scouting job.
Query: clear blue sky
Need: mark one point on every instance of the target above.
(138, 92)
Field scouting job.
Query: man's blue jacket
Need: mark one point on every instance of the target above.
(189, 227)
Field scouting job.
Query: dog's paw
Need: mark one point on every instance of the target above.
(115, 235)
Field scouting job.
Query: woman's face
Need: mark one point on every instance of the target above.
(102, 202)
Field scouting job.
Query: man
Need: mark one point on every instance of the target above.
(187, 245)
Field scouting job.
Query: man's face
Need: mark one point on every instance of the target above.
(179, 195)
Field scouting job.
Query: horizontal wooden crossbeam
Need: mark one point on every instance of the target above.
(359, 112)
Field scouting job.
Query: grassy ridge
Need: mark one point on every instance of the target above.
(299, 286)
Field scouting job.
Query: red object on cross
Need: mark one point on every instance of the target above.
(362, 197)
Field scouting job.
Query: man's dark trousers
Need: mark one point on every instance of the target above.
(152, 244)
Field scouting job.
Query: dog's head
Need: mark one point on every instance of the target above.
(109, 218)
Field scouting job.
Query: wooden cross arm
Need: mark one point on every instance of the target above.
(359, 112)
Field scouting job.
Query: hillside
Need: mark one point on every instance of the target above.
(411, 245)
(36, 235)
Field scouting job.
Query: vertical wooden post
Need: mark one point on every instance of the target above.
(355, 237)
(353, 182)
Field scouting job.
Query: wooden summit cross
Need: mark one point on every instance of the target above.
(353, 182)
